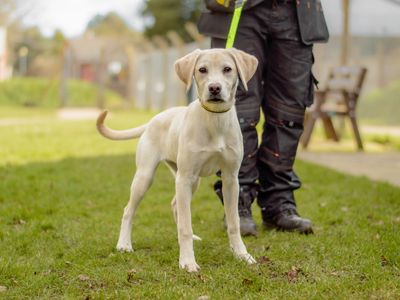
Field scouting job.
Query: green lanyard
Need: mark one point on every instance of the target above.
(235, 22)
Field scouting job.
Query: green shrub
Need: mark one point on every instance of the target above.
(44, 92)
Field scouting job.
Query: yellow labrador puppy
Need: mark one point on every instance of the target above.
(194, 141)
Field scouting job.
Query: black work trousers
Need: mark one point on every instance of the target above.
(281, 88)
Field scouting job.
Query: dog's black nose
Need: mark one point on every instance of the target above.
(214, 88)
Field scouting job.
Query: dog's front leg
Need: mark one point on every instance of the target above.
(230, 191)
(183, 186)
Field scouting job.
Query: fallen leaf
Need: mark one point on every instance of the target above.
(344, 208)
(131, 275)
(17, 221)
(337, 273)
(201, 277)
(3, 288)
(205, 297)
(363, 277)
(247, 281)
(396, 220)
(384, 261)
(293, 274)
(322, 204)
(377, 236)
(379, 223)
(266, 248)
(47, 272)
(83, 277)
(263, 260)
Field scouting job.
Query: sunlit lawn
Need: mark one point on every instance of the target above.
(63, 189)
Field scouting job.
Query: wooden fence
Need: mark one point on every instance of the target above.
(150, 82)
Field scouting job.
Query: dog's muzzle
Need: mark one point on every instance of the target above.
(215, 100)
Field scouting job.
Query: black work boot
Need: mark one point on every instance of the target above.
(247, 224)
(287, 220)
(246, 198)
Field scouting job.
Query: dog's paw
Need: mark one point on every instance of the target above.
(124, 247)
(196, 238)
(247, 258)
(190, 266)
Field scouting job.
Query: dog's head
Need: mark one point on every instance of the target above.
(216, 73)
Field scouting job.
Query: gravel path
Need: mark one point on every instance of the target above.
(376, 166)
(65, 114)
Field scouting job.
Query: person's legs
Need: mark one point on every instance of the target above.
(288, 90)
(248, 103)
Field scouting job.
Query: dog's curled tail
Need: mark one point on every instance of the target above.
(117, 134)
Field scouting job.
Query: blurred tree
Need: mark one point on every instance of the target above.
(27, 45)
(12, 11)
(30, 39)
(110, 24)
(11, 14)
(7, 7)
(57, 42)
(162, 16)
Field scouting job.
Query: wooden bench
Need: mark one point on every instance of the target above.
(338, 98)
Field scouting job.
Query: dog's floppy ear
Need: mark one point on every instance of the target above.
(246, 65)
(184, 67)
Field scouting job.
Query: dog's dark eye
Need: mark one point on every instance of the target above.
(227, 69)
(203, 70)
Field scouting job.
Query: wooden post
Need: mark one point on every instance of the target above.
(132, 75)
(65, 69)
(148, 48)
(381, 61)
(191, 28)
(101, 79)
(179, 44)
(162, 44)
(345, 32)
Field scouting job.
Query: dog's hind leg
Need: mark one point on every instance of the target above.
(140, 184)
(173, 168)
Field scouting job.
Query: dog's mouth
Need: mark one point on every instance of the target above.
(215, 100)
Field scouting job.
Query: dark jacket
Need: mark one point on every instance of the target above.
(313, 29)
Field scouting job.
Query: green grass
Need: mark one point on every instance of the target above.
(16, 112)
(44, 92)
(62, 192)
(381, 106)
(386, 140)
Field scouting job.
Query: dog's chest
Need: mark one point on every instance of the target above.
(213, 157)
(211, 165)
